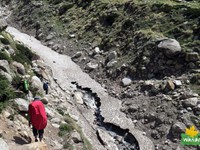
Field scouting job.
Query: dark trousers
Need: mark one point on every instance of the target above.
(46, 91)
(36, 132)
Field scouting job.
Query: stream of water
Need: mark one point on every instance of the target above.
(124, 140)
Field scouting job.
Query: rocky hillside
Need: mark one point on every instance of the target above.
(145, 53)
(17, 62)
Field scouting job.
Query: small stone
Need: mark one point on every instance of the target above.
(135, 121)
(189, 109)
(72, 35)
(126, 81)
(143, 133)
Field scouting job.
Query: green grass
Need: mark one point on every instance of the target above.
(4, 56)
(114, 1)
(168, 2)
(6, 92)
(193, 4)
(9, 38)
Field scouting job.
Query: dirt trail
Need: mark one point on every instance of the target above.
(16, 141)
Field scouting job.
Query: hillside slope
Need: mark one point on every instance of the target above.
(145, 53)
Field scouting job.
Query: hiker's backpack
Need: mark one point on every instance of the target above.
(37, 115)
(45, 86)
(26, 85)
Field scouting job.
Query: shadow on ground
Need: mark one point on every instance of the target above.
(19, 140)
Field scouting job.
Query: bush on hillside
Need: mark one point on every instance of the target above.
(4, 56)
(6, 92)
(23, 54)
(64, 129)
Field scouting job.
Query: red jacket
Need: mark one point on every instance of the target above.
(37, 115)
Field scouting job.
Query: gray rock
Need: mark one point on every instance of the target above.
(19, 67)
(111, 63)
(22, 104)
(76, 137)
(50, 113)
(112, 56)
(132, 108)
(72, 35)
(45, 100)
(78, 97)
(171, 47)
(96, 50)
(56, 47)
(3, 25)
(107, 140)
(49, 37)
(4, 65)
(50, 43)
(3, 145)
(177, 83)
(126, 81)
(91, 66)
(155, 134)
(192, 56)
(77, 55)
(177, 129)
(191, 102)
(55, 125)
(56, 120)
(36, 83)
(6, 114)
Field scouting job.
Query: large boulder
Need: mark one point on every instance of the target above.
(4, 65)
(171, 47)
(191, 102)
(22, 104)
(177, 129)
(36, 83)
(3, 25)
(19, 67)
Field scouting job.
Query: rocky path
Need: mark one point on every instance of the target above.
(65, 72)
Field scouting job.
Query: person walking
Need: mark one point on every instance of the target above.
(38, 118)
(46, 87)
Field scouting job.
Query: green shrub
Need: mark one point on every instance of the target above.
(16, 81)
(23, 54)
(64, 129)
(60, 111)
(6, 92)
(68, 146)
(4, 56)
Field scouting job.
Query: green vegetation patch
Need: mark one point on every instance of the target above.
(4, 56)
(6, 92)
(23, 54)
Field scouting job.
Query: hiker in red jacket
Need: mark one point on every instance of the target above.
(38, 117)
